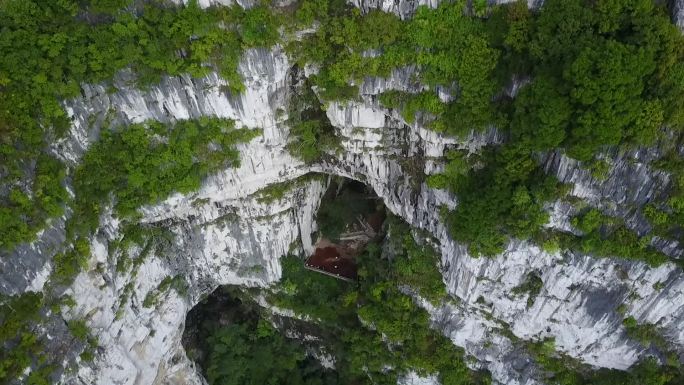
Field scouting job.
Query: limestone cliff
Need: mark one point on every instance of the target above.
(225, 234)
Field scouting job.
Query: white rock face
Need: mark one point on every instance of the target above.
(402, 8)
(678, 13)
(209, 3)
(230, 238)
(414, 379)
(143, 345)
(406, 8)
(225, 235)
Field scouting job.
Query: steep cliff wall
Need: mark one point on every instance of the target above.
(225, 234)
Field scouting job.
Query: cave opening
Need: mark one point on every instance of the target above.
(234, 339)
(350, 217)
(309, 328)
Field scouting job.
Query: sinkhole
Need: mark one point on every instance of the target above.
(237, 336)
(340, 315)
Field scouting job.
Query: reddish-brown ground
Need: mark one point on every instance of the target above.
(327, 259)
(339, 259)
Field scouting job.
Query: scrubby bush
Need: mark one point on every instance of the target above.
(147, 162)
(531, 286)
(609, 237)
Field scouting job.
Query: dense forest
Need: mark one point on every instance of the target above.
(591, 78)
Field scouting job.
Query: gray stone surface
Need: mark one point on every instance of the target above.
(224, 235)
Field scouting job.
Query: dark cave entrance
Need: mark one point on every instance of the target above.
(232, 327)
(312, 329)
(349, 218)
(234, 342)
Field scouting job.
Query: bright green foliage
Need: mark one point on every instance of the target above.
(646, 334)
(49, 49)
(599, 169)
(108, 6)
(607, 80)
(312, 294)
(248, 354)
(601, 76)
(452, 47)
(502, 199)
(412, 103)
(668, 217)
(617, 61)
(416, 268)
(480, 7)
(608, 237)
(509, 28)
(416, 265)
(541, 116)
(79, 329)
(310, 10)
(19, 345)
(399, 328)
(142, 236)
(656, 216)
(259, 27)
(447, 45)
(147, 162)
(21, 340)
(23, 214)
(177, 283)
(589, 221)
(144, 164)
(338, 44)
(311, 134)
(564, 370)
(71, 262)
(276, 191)
(457, 168)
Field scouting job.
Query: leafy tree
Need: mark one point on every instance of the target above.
(541, 116)
(608, 237)
(311, 134)
(147, 162)
(504, 198)
(376, 331)
(108, 6)
(20, 345)
(607, 82)
(240, 357)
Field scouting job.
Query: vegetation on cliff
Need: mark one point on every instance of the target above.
(589, 76)
(51, 47)
(373, 332)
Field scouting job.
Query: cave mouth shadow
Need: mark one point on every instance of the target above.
(349, 218)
